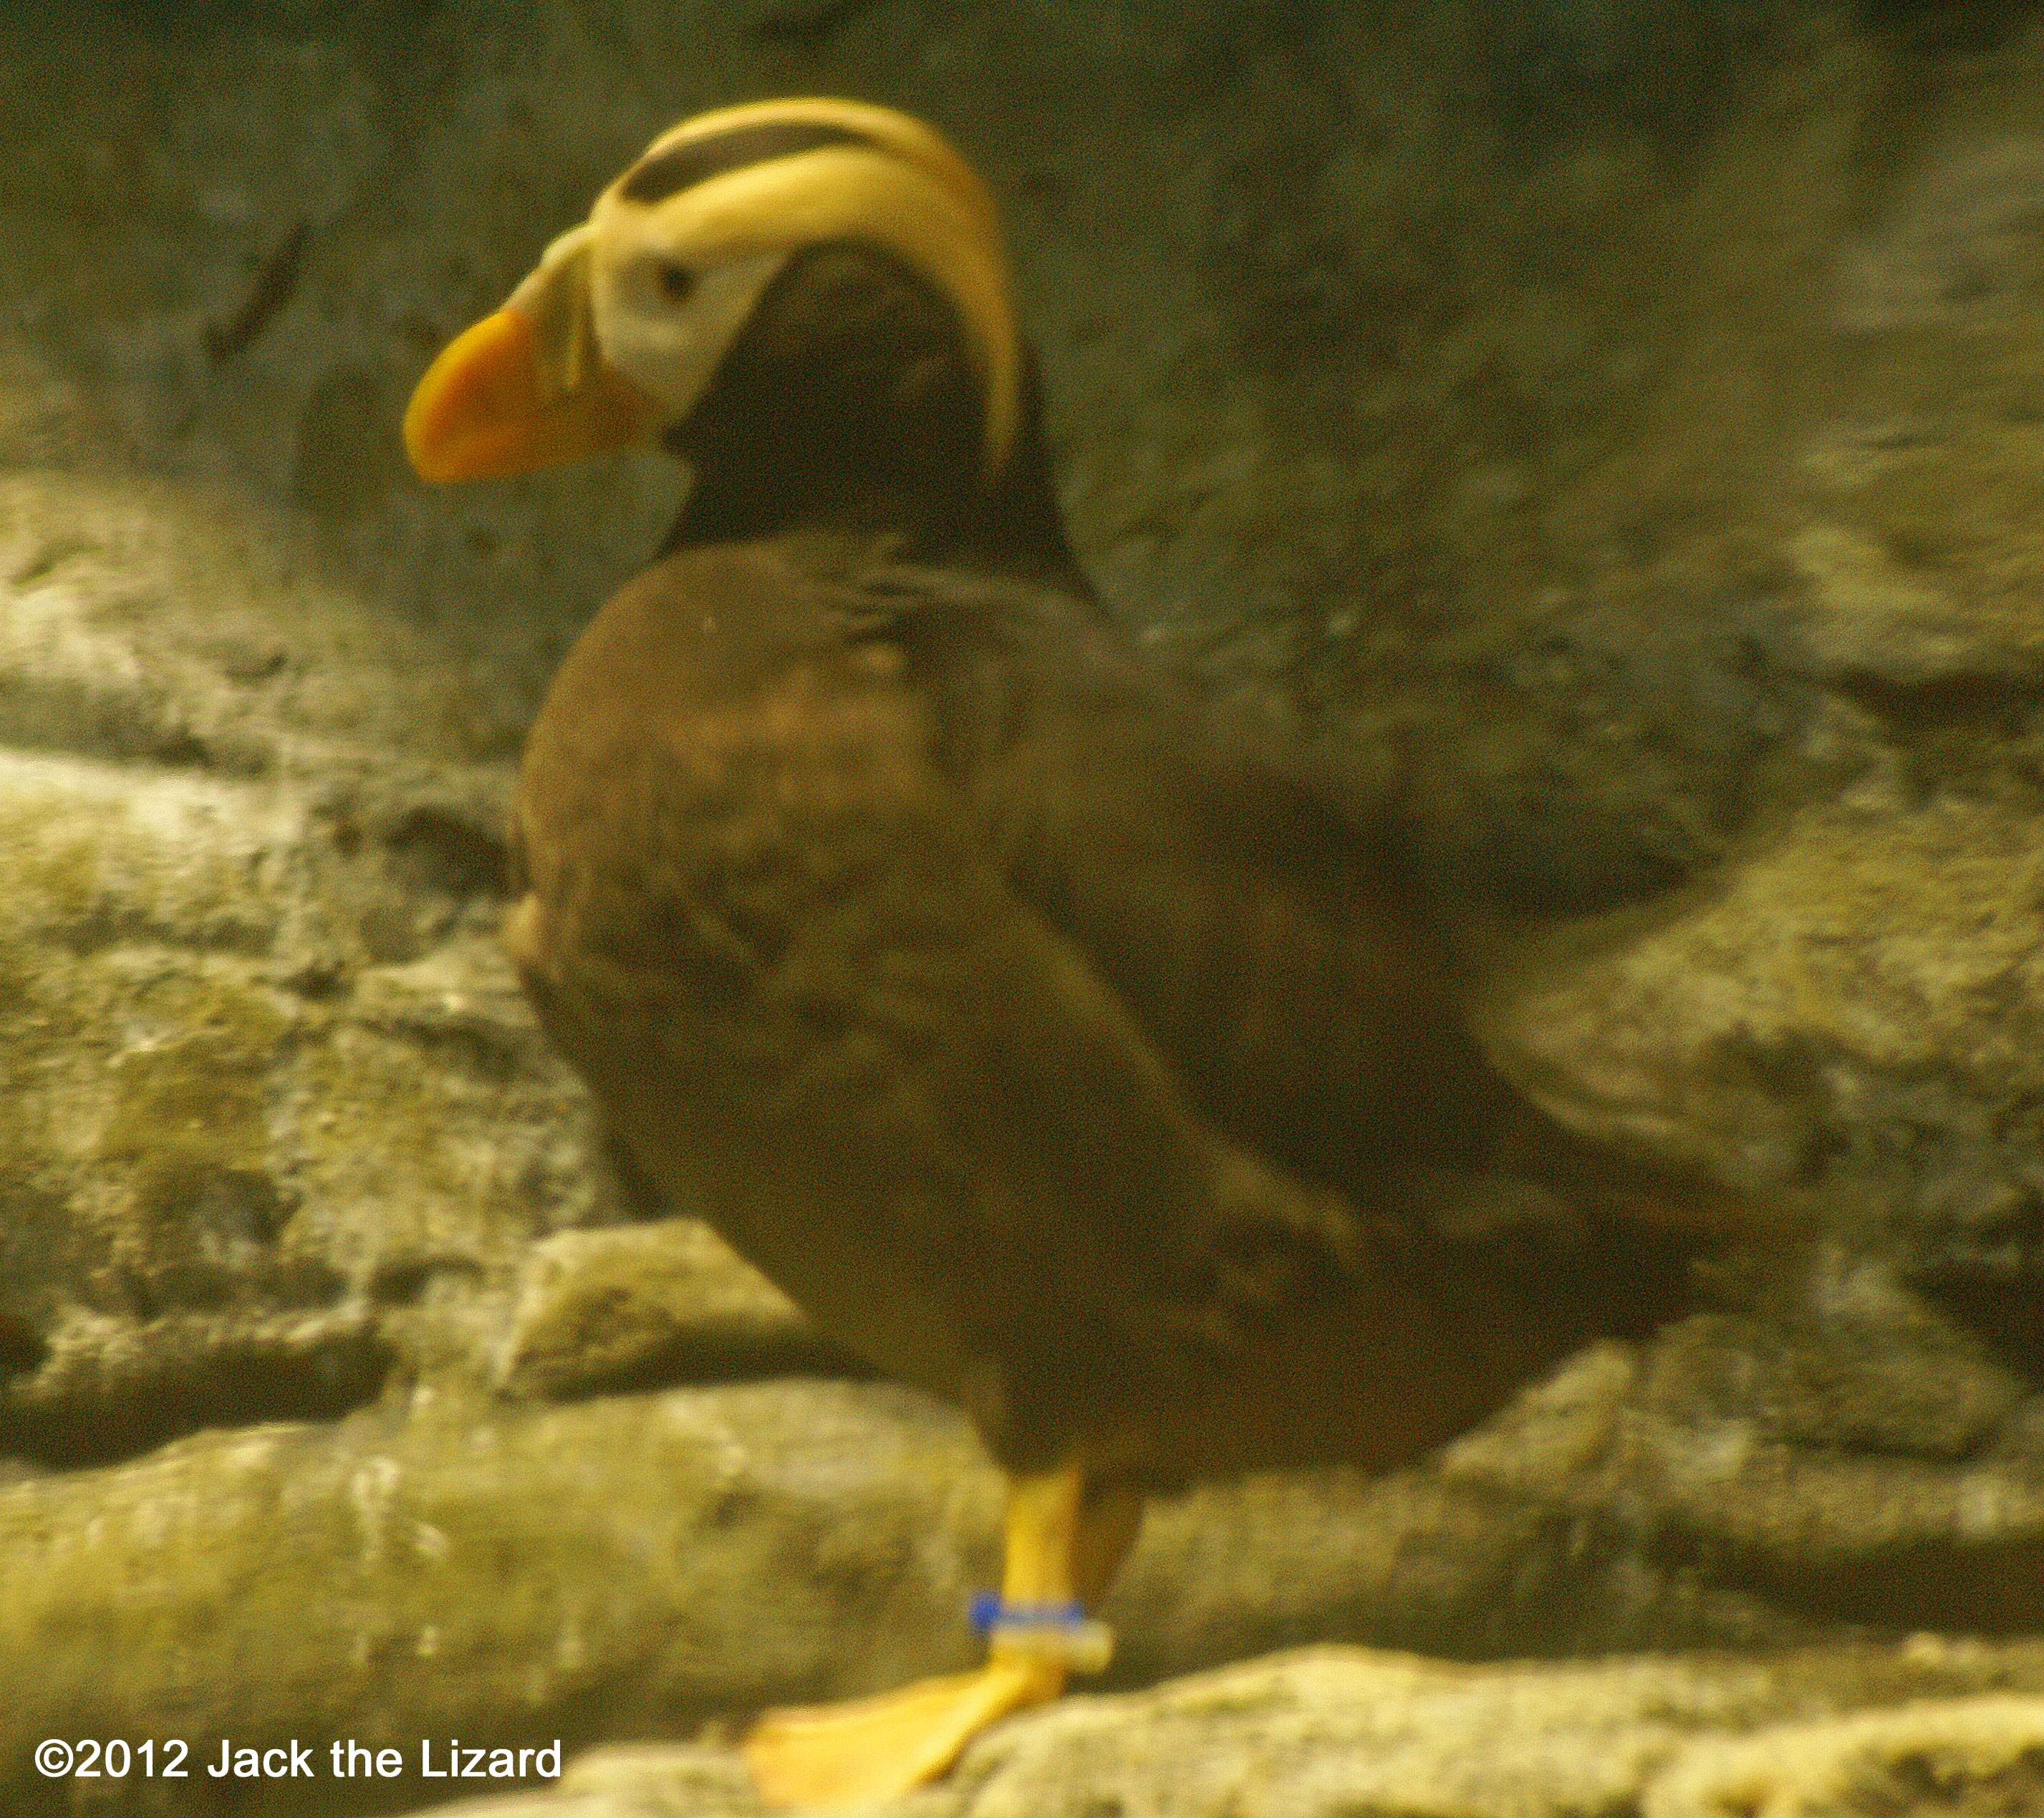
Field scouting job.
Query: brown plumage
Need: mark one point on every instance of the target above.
(1061, 1051)
(1066, 1048)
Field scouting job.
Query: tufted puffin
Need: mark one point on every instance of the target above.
(1067, 1047)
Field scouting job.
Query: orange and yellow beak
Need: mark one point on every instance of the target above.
(485, 408)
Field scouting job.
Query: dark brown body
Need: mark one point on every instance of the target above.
(1063, 1047)
(1063, 1051)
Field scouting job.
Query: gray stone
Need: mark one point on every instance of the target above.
(1333, 1730)
(1873, 620)
(431, 1570)
(1870, 943)
(607, 1309)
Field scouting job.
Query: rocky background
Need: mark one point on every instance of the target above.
(1618, 429)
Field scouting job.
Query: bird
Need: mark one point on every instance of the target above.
(1064, 1042)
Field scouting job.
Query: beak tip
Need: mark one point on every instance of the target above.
(420, 451)
(482, 409)
(435, 459)
(480, 385)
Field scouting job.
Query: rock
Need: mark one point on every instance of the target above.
(603, 1310)
(1953, 243)
(1981, 1753)
(1873, 620)
(1328, 1731)
(625, 1782)
(430, 1570)
(208, 1078)
(97, 1387)
(1868, 946)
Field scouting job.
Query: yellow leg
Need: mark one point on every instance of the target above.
(1062, 1547)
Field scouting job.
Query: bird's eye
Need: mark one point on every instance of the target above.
(677, 282)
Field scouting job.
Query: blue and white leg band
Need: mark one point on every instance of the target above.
(1061, 1631)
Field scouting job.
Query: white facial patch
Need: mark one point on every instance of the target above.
(668, 337)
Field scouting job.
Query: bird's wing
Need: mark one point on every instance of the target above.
(763, 921)
(1266, 933)
(991, 995)
(1268, 926)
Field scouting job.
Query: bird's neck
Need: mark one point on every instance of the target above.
(849, 407)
